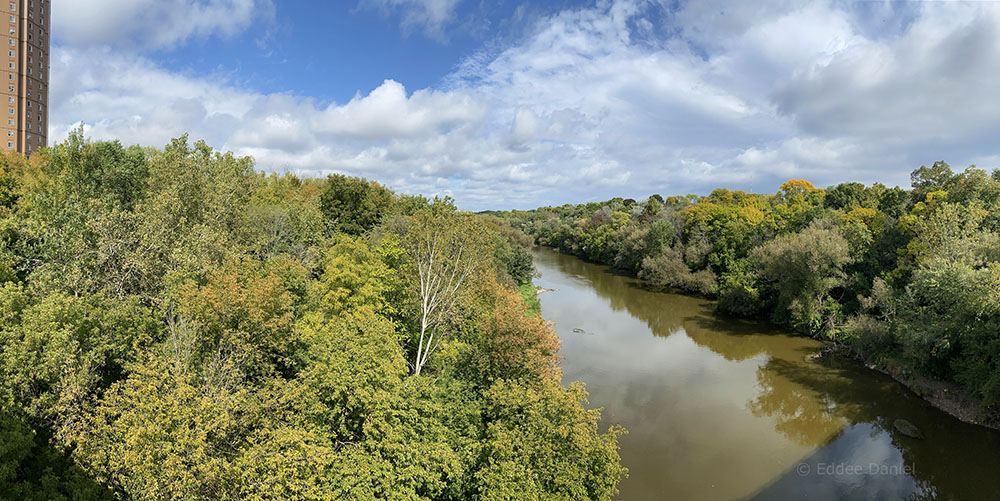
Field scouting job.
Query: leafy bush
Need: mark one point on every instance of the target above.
(802, 269)
(669, 270)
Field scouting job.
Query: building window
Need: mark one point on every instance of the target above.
(11, 76)
(13, 19)
(10, 53)
(10, 99)
(11, 65)
(10, 133)
(10, 122)
(10, 110)
(10, 144)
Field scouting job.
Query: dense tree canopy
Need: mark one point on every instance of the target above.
(176, 325)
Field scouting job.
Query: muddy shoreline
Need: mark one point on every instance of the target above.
(948, 397)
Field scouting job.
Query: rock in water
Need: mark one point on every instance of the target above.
(907, 428)
(579, 330)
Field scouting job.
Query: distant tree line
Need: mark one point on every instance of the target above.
(177, 325)
(911, 276)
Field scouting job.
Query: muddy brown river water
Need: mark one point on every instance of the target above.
(724, 408)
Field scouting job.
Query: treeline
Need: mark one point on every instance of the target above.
(910, 276)
(175, 324)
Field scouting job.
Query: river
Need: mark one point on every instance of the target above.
(723, 408)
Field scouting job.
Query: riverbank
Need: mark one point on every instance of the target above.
(529, 293)
(949, 397)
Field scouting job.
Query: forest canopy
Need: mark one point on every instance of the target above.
(176, 324)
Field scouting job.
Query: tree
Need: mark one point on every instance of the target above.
(846, 196)
(506, 343)
(668, 269)
(803, 268)
(541, 440)
(352, 205)
(445, 250)
(927, 179)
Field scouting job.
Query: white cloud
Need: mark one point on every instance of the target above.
(624, 98)
(938, 81)
(388, 112)
(429, 15)
(151, 24)
(130, 98)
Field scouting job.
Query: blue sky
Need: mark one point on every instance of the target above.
(519, 104)
(332, 51)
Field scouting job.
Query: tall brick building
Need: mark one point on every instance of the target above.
(26, 91)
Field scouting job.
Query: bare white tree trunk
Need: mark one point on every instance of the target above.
(442, 269)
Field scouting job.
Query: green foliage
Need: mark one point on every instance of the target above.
(847, 196)
(175, 325)
(516, 261)
(927, 179)
(529, 293)
(669, 270)
(520, 433)
(354, 206)
(739, 290)
(31, 469)
(801, 270)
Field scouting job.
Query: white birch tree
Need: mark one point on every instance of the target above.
(445, 254)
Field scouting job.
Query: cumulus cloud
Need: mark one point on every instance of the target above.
(622, 98)
(388, 112)
(151, 24)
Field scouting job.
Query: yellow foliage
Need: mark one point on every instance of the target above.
(797, 186)
(751, 215)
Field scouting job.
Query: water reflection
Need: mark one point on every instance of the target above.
(722, 408)
(800, 413)
(955, 460)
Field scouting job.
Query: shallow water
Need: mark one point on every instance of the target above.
(724, 408)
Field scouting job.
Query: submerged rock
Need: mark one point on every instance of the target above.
(907, 428)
